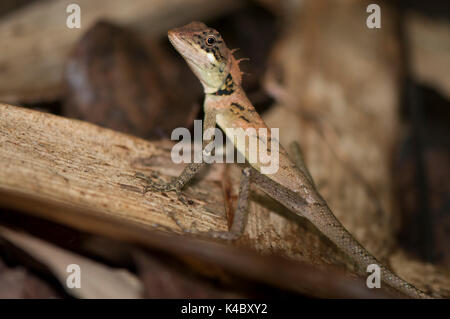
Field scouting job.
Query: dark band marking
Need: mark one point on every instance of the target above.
(228, 87)
(215, 50)
(216, 53)
(261, 139)
(244, 118)
(240, 107)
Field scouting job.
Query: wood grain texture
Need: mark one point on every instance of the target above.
(70, 161)
(51, 159)
(206, 257)
(82, 176)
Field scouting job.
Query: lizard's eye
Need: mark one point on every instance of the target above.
(210, 40)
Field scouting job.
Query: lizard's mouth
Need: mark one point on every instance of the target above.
(196, 59)
(185, 47)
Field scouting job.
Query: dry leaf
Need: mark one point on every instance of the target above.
(97, 280)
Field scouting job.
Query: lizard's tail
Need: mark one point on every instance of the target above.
(330, 226)
(310, 205)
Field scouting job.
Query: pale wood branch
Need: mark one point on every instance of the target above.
(80, 175)
(77, 166)
(73, 162)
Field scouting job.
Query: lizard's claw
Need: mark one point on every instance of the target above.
(155, 186)
(144, 177)
(161, 187)
(182, 198)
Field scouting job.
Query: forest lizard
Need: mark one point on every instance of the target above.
(227, 105)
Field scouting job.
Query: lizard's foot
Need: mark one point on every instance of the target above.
(182, 198)
(155, 186)
(161, 186)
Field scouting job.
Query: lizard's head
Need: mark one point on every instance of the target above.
(205, 52)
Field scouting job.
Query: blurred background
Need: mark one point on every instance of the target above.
(370, 108)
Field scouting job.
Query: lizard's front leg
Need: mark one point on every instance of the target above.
(241, 212)
(189, 171)
(175, 184)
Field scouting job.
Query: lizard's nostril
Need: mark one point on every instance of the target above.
(174, 34)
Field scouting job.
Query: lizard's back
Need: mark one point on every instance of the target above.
(236, 111)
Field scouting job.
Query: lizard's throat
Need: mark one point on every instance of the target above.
(228, 87)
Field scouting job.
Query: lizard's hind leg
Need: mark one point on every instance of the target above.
(241, 212)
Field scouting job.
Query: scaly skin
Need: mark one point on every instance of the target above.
(227, 106)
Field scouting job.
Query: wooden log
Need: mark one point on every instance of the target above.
(77, 164)
(208, 258)
(74, 162)
(80, 175)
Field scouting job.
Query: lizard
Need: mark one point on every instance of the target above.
(226, 105)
